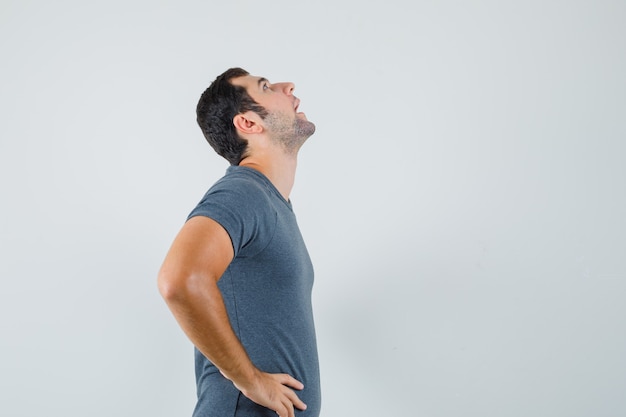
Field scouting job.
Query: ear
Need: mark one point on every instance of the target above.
(247, 123)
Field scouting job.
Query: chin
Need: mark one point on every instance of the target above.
(304, 128)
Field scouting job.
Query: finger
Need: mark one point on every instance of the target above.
(284, 410)
(290, 381)
(295, 401)
(289, 407)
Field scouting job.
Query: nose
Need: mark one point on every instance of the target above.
(288, 88)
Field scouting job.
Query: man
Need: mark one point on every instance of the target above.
(238, 277)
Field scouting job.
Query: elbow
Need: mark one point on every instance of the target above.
(173, 286)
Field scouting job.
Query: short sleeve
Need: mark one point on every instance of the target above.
(240, 206)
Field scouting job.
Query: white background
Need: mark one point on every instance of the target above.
(463, 199)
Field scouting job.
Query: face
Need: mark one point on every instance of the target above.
(284, 123)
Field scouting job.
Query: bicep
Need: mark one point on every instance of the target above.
(201, 249)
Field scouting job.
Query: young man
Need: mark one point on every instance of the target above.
(238, 277)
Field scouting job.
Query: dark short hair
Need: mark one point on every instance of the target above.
(217, 107)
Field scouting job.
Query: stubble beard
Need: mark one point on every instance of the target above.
(291, 134)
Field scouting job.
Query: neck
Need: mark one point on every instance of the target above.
(279, 168)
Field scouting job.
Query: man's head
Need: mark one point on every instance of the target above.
(216, 109)
(237, 105)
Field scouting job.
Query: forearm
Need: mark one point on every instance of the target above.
(201, 313)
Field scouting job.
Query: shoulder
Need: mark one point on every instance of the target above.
(241, 203)
(239, 189)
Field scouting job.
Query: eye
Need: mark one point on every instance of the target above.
(266, 86)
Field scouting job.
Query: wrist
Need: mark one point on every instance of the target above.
(242, 376)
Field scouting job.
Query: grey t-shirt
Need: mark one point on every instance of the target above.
(267, 292)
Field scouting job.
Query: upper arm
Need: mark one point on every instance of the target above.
(201, 251)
